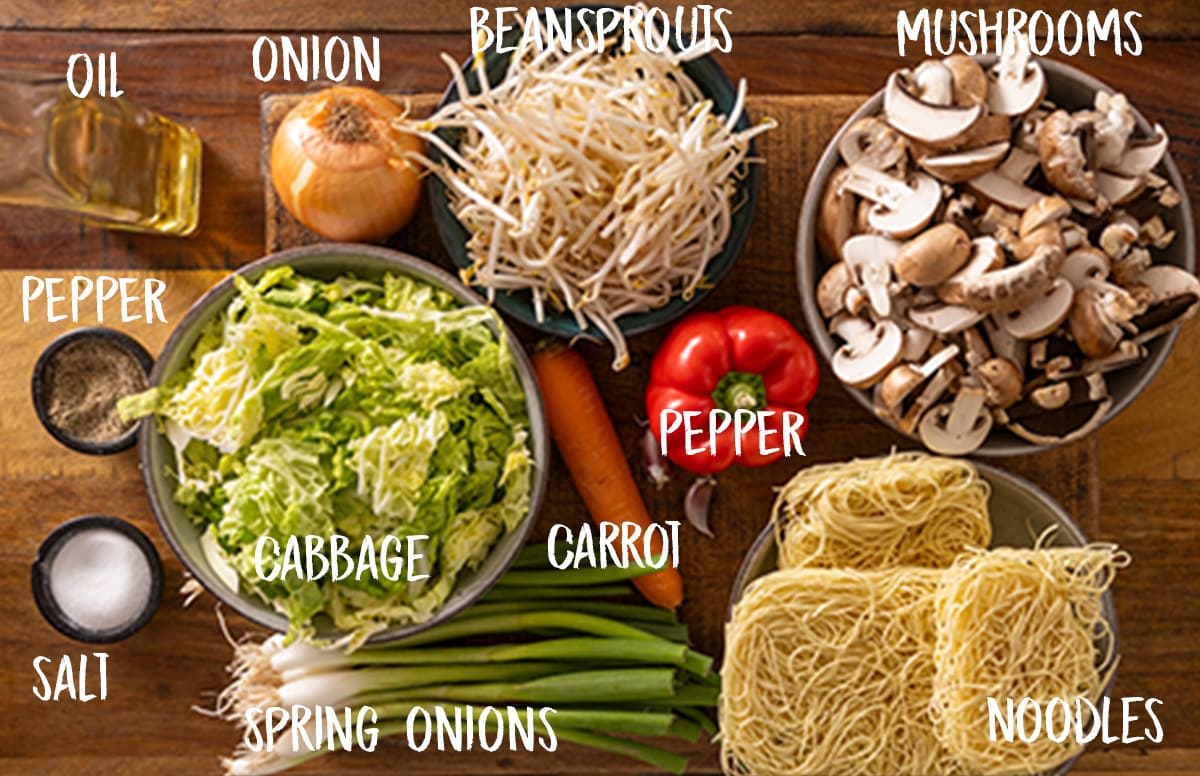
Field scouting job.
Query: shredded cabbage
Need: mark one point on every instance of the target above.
(353, 407)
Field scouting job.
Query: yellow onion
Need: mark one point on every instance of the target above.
(340, 167)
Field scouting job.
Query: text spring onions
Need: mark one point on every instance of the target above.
(603, 184)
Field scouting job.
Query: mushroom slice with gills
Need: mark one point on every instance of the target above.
(986, 256)
(924, 121)
(1174, 294)
(1096, 317)
(945, 319)
(835, 219)
(1041, 316)
(870, 142)
(1017, 83)
(1015, 286)
(832, 288)
(1084, 410)
(963, 165)
(932, 256)
(905, 378)
(1141, 157)
(899, 209)
(1002, 380)
(969, 84)
(959, 427)
(928, 396)
(869, 260)
(1084, 267)
(868, 352)
(1063, 161)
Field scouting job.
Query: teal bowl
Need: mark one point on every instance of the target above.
(714, 84)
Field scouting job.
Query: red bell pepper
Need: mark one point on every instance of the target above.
(740, 358)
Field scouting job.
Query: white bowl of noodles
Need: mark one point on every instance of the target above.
(1021, 516)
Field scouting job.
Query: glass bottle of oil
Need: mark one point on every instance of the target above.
(119, 165)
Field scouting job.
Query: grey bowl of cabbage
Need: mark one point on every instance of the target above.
(343, 389)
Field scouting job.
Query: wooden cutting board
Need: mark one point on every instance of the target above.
(179, 658)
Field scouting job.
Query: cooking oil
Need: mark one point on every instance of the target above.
(119, 165)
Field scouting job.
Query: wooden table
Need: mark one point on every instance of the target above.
(191, 61)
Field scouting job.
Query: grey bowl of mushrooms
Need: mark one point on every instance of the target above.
(995, 254)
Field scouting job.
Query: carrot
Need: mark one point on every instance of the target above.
(588, 444)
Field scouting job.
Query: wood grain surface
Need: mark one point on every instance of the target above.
(1135, 482)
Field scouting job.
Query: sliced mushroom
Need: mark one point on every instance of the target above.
(1013, 287)
(899, 210)
(1017, 83)
(924, 121)
(1002, 381)
(960, 427)
(1140, 158)
(932, 256)
(1175, 297)
(1118, 189)
(929, 395)
(872, 143)
(1084, 267)
(1082, 413)
(945, 318)
(835, 220)
(868, 352)
(905, 378)
(869, 260)
(1063, 161)
(1043, 315)
(933, 82)
(1004, 345)
(912, 214)
(1097, 315)
(963, 165)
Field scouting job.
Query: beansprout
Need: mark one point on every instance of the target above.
(603, 185)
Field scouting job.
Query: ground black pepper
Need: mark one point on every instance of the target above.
(83, 382)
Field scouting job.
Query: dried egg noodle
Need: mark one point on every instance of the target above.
(831, 672)
(1019, 623)
(602, 184)
(906, 509)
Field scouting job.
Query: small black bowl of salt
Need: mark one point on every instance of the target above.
(77, 382)
(97, 579)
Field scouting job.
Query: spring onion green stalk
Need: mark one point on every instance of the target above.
(607, 669)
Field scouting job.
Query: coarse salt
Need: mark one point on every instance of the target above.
(100, 579)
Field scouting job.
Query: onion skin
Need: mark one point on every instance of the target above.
(338, 165)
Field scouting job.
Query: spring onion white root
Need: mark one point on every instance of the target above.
(602, 184)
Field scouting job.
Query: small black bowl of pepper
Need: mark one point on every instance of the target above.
(77, 382)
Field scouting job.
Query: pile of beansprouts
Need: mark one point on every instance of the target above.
(603, 185)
